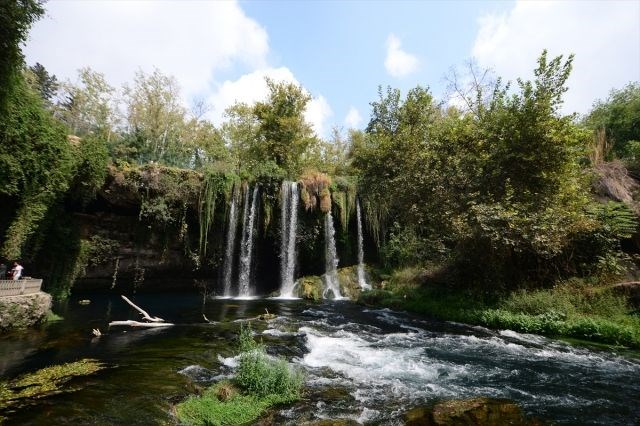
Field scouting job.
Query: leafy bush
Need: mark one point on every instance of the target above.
(260, 375)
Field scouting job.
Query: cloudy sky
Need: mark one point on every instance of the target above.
(340, 51)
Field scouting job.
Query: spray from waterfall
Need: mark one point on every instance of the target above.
(288, 230)
(362, 282)
(246, 246)
(232, 230)
(331, 259)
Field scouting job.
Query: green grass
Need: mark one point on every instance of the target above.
(260, 382)
(571, 309)
(209, 410)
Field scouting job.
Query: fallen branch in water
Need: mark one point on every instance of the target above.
(153, 321)
(141, 324)
(144, 313)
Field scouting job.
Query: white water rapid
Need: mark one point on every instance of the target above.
(288, 230)
(227, 271)
(362, 281)
(331, 259)
(246, 247)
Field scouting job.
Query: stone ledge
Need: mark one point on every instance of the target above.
(23, 311)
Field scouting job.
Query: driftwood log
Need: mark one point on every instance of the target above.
(151, 321)
(141, 324)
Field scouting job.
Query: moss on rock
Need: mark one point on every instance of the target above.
(23, 311)
(46, 381)
(310, 287)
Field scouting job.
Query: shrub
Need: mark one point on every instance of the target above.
(260, 375)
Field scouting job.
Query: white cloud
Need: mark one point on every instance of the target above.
(189, 40)
(353, 118)
(605, 37)
(399, 63)
(317, 113)
(248, 89)
(252, 87)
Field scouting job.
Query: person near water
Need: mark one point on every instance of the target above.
(16, 272)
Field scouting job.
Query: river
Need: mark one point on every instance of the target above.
(368, 365)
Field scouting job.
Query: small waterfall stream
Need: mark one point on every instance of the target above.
(362, 282)
(288, 233)
(232, 230)
(331, 259)
(246, 247)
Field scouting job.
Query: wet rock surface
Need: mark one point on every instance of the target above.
(479, 411)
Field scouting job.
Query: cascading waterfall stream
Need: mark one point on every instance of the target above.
(246, 247)
(227, 271)
(331, 259)
(362, 282)
(288, 233)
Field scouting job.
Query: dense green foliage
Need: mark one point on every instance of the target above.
(37, 167)
(16, 17)
(260, 383)
(498, 191)
(619, 116)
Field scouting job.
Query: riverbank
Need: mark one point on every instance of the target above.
(571, 309)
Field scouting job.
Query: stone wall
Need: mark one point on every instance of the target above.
(23, 311)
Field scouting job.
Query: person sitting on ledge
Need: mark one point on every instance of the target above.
(16, 272)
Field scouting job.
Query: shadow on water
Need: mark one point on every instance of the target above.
(364, 365)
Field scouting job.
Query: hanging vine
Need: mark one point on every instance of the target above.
(214, 184)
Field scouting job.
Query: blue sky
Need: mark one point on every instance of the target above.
(339, 48)
(340, 51)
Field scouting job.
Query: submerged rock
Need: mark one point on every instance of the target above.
(479, 411)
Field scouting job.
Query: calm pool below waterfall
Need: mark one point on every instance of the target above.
(369, 365)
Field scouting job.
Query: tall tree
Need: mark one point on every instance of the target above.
(156, 119)
(16, 17)
(88, 105)
(283, 133)
(44, 83)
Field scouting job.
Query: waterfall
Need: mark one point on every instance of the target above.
(288, 230)
(362, 282)
(246, 247)
(227, 271)
(331, 259)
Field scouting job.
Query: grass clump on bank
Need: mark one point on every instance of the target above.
(570, 309)
(260, 382)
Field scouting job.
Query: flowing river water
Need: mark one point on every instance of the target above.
(366, 365)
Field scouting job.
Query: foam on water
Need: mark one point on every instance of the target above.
(389, 371)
